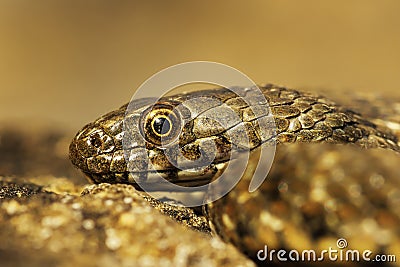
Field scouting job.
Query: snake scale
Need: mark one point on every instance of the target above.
(333, 175)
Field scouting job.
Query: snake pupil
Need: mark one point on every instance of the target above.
(161, 125)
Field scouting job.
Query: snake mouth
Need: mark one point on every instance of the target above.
(161, 180)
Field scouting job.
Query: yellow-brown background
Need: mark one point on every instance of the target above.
(67, 62)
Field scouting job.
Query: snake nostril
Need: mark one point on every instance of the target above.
(95, 140)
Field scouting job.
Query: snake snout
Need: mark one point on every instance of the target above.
(76, 157)
(88, 145)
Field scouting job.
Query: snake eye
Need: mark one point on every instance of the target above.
(160, 124)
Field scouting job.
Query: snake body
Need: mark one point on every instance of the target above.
(290, 209)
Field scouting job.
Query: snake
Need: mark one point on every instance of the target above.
(333, 177)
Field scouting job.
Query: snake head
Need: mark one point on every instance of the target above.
(185, 139)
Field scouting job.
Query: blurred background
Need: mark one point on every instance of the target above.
(66, 62)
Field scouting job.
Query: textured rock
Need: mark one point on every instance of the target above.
(108, 225)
